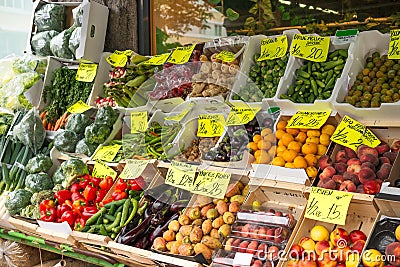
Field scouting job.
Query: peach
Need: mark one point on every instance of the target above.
(382, 148)
(252, 247)
(348, 186)
(371, 187)
(243, 246)
(236, 244)
(369, 158)
(358, 246)
(384, 171)
(307, 244)
(262, 232)
(328, 172)
(356, 235)
(338, 179)
(246, 229)
(339, 234)
(341, 253)
(354, 161)
(340, 167)
(391, 156)
(369, 165)
(229, 243)
(372, 258)
(270, 234)
(322, 246)
(327, 183)
(307, 263)
(257, 263)
(363, 149)
(350, 153)
(278, 213)
(366, 174)
(254, 233)
(352, 260)
(324, 161)
(296, 251)
(273, 253)
(354, 168)
(326, 260)
(293, 263)
(395, 147)
(261, 251)
(384, 160)
(352, 177)
(341, 156)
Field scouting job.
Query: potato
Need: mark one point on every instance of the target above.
(225, 230)
(183, 219)
(221, 207)
(234, 206)
(218, 222)
(206, 226)
(175, 246)
(211, 242)
(185, 230)
(204, 210)
(212, 214)
(203, 249)
(160, 244)
(186, 250)
(228, 217)
(233, 189)
(169, 235)
(214, 233)
(195, 235)
(174, 226)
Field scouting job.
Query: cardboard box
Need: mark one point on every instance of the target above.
(94, 27)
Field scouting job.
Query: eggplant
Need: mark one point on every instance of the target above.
(159, 217)
(144, 241)
(161, 201)
(133, 234)
(160, 229)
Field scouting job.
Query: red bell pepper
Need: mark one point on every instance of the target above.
(118, 195)
(75, 188)
(47, 203)
(84, 181)
(89, 193)
(95, 181)
(68, 217)
(106, 183)
(104, 202)
(48, 214)
(62, 208)
(62, 195)
(75, 196)
(100, 195)
(79, 224)
(121, 185)
(79, 204)
(89, 212)
(137, 184)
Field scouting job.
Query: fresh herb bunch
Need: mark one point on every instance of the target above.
(63, 92)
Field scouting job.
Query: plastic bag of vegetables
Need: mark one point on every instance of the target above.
(28, 63)
(59, 45)
(75, 40)
(84, 148)
(65, 141)
(40, 42)
(50, 17)
(77, 123)
(30, 130)
(106, 115)
(77, 14)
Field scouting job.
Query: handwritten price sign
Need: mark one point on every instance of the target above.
(240, 116)
(119, 58)
(394, 49)
(139, 122)
(157, 59)
(308, 119)
(86, 72)
(100, 170)
(211, 183)
(79, 107)
(313, 48)
(210, 125)
(226, 56)
(107, 153)
(181, 55)
(181, 175)
(327, 205)
(273, 48)
(133, 168)
(178, 117)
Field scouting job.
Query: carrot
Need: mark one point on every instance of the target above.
(43, 115)
(64, 116)
(57, 125)
(49, 126)
(44, 121)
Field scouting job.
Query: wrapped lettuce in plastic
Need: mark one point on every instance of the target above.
(40, 42)
(66, 141)
(77, 123)
(84, 148)
(75, 40)
(77, 14)
(29, 63)
(59, 45)
(50, 17)
(30, 130)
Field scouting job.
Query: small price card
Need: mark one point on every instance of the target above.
(79, 107)
(211, 183)
(133, 168)
(210, 125)
(139, 122)
(351, 133)
(242, 259)
(157, 59)
(107, 153)
(178, 117)
(394, 49)
(273, 48)
(226, 56)
(100, 170)
(86, 72)
(241, 115)
(328, 205)
(181, 175)
(181, 55)
(119, 58)
(308, 119)
(345, 36)
(313, 48)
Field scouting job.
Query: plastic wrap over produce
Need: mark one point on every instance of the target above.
(13, 254)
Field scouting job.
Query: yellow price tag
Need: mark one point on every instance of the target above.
(139, 122)
(369, 139)
(133, 169)
(119, 58)
(100, 170)
(86, 72)
(328, 205)
(308, 119)
(178, 117)
(181, 175)
(211, 183)
(107, 153)
(394, 49)
(181, 55)
(79, 107)
(240, 116)
(313, 48)
(210, 125)
(273, 48)
(157, 59)
(226, 56)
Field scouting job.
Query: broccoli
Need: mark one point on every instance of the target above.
(18, 200)
(72, 169)
(58, 176)
(97, 133)
(42, 195)
(31, 211)
(83, 148)
(40, 163)
(57, 187)
(77, 123)
(106, 115)
(65, 141)
(38, 182)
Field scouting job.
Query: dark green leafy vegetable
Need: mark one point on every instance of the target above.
(40, 163)
(42, 195)
(50, 17)
(40, 42)
(77, 123)
(59, 45)
(66, 141)
(83, 148)
(97, 133)
(18, 200)
(106, 115)
(30, 130)
(37, 182)
(58, 176)
(72, 169)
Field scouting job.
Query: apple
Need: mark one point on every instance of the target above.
(372, 258)
(296, 251)
(356, 235)
(340, 234)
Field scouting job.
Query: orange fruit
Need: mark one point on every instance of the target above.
(303, 130)
(270, 138)
(296, 146)
(281, 125)
(313, 139)
(321, 149)
(263, 145)
(257, 138)
(280, 143)
(289, 165)
(279, 133)
(266, 131)
(278, 161)
(309, 148)
(299, 162)
(289, 155)
(280, 149)
(312, 133)
(324, 139)
(311, 172)
(252, 146)
(292, 131)
(328, 129)
(287, 138)
(280, 154)
(257, 153)
(311, 159)
(301, 137)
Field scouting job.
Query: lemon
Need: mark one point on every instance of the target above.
(319, 233)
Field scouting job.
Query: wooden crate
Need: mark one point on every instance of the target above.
(55, 236)
(139, 256)
(23, 226)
